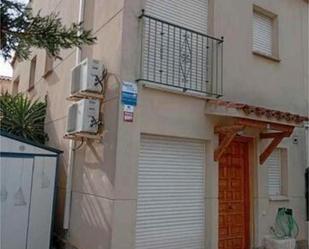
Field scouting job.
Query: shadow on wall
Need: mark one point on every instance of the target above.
(91, 204)
(93, 174)
(52, 78)
(93, 183)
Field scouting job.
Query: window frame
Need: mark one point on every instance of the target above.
(283, 195)
(49, 64)
(32, 73)
(275, 34)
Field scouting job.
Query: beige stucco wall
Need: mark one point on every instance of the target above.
(105, 175)
(94, 171)
(261, 81)
(265, 208)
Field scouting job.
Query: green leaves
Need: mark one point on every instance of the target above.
(22, 117)
(21, 30)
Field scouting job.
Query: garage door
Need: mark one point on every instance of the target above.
(170, 207)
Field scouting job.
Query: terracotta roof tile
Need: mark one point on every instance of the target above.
(261, 111)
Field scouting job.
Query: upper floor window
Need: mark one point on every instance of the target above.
(265, 40)
(32, 73)
(49, 63)
(15, 86)
(277, 173)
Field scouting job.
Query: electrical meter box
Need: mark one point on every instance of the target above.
(87, 77)
(83, 116)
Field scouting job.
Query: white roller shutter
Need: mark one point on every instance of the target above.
(274, 166)
(170, 207)
(262, 33)
(191, 14)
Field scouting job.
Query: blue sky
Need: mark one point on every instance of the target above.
(5, 68)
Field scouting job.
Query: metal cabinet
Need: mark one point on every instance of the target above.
(27, 186)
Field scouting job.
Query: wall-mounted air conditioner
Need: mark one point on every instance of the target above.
(83, 116)
(87, 77)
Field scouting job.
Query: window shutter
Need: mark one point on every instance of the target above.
(32, 73)
(262, 33)
(49, 63)
(191, 14)
(171, 204)
(274, 165)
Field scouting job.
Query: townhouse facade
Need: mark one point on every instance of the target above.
(217, 142)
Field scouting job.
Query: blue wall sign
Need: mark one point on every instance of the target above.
(129, 93)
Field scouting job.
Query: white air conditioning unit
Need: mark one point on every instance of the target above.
(87, 77)
(83, 116)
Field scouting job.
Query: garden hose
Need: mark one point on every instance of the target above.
(285, 226)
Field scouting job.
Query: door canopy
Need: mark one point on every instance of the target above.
(271, 124)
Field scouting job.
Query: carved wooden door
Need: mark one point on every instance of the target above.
(234, 201)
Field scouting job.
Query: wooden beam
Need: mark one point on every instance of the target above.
(264, 125)
(281, 127)
(228, 129)
(228, 138)
(273, 145)
(273, 135)
(251, 123)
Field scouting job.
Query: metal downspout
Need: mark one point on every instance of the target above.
(71, 159)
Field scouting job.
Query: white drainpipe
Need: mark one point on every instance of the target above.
(71, 160)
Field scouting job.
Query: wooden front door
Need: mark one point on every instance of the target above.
(234, 199)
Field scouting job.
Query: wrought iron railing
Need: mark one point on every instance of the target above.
(179, 57)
